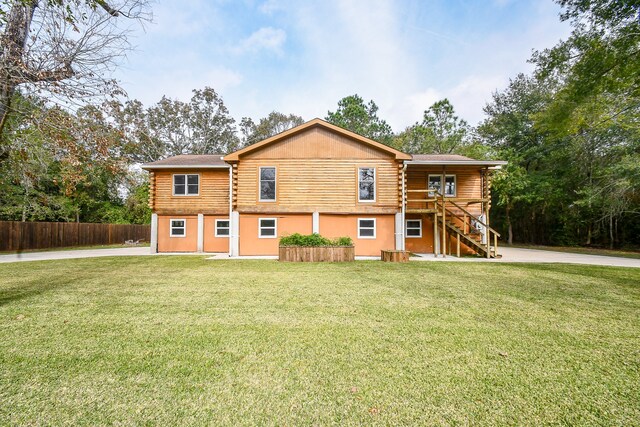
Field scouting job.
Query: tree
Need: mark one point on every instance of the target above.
(440, 132)
(600, 58)
(63, 48)
(171, 127)
(267, 127)
(354, 115)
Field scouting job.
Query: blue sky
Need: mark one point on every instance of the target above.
(303, 56)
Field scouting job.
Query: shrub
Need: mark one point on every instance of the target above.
(314, 239)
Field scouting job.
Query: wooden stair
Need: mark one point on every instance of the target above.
(472, 239)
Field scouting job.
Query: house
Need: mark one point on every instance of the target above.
(320, 178)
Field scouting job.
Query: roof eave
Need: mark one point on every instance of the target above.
(458, 162)
(151, 167)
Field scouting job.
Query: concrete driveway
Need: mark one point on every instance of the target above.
(508, 255)
(539, 256)
(75, 253)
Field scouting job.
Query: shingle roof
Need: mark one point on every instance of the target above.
(443, 157)
(188, 161)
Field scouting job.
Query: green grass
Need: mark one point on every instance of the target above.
(189, 341)
(582, 250)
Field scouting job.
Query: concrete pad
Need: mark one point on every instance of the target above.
(539, 256)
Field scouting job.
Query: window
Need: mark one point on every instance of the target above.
(178, 228)
(366, 228)
(186, 185)
(450, 184)
(414, 228)
(222, 228)
(267, 184)
(366, 184)
(267, 228)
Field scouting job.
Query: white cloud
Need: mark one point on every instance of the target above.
(269, 6)
(266, 38)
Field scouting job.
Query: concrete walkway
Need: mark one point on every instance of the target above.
(75, 253)
(539, 256)
(508, 255)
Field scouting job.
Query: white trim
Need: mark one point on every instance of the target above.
(406, 227)
(200, 241)
(186, 185)
(444, 185)
(275, 228)
(171, 227)
(228, 227)
(375, 190)
(154, 233)
(275, 181)
(367, 228)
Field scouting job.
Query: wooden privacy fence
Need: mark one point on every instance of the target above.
(17, 236)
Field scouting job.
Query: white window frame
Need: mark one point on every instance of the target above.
(225, 228)
(275, 181)
(444, 186)
(375, 227)
(406, 227)
(275, 228)
(171, 227)
(375, 186)
(186, 185)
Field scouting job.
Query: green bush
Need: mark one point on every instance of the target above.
(314, 239)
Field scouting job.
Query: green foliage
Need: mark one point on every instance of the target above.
(313, 240)
(354, 115)
(267, 127)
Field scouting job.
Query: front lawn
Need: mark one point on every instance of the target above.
(184, 341)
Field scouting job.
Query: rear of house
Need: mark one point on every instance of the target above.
(319, 178)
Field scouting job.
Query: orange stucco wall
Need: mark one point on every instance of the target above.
(166, 243)
(211, 242)
(424, 245)
(347, 225)
(251, 244)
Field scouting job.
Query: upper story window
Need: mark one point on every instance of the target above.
(366, 184)
(267, 184)
(435, 183)
(186, 185)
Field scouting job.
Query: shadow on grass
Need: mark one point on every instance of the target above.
(10, 295)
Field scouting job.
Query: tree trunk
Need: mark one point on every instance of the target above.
(610, 231)
(589, 232)
(14, 40)
(509, 225)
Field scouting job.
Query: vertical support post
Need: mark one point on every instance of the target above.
(487, 177)
(315, 222)
(444, 229)
(436, 241)
(200, 244)
(458, 245)
(235, 234)
(399, 232)
(154, 233)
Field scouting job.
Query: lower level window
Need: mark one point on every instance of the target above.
(178, 228)
(414, 228)
(366, 228)
(267, 227)
(222, 228)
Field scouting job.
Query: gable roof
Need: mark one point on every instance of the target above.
(235, 156)
(188, 161)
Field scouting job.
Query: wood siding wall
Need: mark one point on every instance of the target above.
(323, 185)
(18, 236)
(212, 200)
(468, 184)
